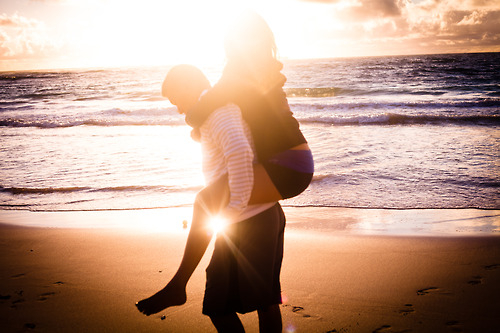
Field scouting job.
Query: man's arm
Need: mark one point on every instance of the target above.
(229, 134)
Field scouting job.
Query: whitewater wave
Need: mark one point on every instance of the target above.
(65, 190)
(88, 122)
(107, 118)
(401, 119)
(159, 112)
(323, 92)
(338, 120)
(336, 92)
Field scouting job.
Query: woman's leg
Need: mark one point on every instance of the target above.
(209, 202)
(174, 293)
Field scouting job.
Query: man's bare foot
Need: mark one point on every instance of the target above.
(169, 296)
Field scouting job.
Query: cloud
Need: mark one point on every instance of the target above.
(363, 9)
(401, 26)
(473, 25)
(16, 21)
(368, 9)
(476, 27)
(322, 1)
(23, 38)
(49, 1)
(3, 49)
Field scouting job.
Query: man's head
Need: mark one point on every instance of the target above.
(183, 86)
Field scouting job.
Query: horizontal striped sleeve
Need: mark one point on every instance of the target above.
(228, 131)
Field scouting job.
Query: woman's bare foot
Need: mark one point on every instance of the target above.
(171, 295)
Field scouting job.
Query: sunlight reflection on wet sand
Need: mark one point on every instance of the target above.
(413, 222)
(146, 220)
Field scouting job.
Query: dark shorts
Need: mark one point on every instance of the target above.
(291, 171)
(244, 272)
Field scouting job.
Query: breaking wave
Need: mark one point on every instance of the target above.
(64, 190)
(328, 115)
(401, 119)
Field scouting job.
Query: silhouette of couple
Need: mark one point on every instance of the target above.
(254, 155)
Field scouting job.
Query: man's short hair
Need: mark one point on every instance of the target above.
(182, 77)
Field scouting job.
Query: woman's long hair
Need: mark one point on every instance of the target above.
(251, 50)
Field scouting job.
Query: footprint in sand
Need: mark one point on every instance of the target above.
(479, 279)
(45, 296)
(341, 330)
(298, 310)
(492, 267)
(388, 328)
(30, 326)
(17, 276)
(407, 310)
(454, 326)
(16, 302)
(475, 280)
(383, 328)
(426, 291)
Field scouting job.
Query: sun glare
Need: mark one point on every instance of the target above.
(217, 224)
(157, 32)
(95, 33)
(166, 32)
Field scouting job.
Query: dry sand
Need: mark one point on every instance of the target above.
(340, 275)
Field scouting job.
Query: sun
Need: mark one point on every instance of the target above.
(217, 224)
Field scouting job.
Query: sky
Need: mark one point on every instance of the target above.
(52, 34)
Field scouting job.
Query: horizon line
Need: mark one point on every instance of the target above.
(283, 59)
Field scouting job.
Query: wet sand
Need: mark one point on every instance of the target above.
(343, 271)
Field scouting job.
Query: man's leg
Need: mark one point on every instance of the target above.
(243, 274)
(228, 323)
(266, 232)
(270, 319)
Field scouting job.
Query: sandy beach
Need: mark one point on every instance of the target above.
(344, 270)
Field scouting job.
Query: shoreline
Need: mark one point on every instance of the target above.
(356, 221)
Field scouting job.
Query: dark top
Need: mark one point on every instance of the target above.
(273, 127)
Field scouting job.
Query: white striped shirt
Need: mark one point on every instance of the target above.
(227, 148)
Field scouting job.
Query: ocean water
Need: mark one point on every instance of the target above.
(398, 132)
